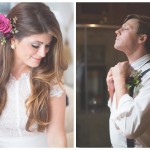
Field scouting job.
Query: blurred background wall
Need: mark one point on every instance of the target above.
(95, 37)
(64, 13)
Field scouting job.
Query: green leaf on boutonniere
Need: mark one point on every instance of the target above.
(134, 79)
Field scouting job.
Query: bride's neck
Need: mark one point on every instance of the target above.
(18, 69)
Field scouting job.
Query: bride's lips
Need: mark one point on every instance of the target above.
(37, 59)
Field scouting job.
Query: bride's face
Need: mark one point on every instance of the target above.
(30, 50)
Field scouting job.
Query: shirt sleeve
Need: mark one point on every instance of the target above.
(132, 115)
(111, 103)
(57, 90)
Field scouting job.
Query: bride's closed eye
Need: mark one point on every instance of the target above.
(36, 46)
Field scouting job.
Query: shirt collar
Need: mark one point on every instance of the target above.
(140, 62)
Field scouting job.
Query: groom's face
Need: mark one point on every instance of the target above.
(127, 38)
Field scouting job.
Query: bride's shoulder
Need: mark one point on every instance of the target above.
(56, 88)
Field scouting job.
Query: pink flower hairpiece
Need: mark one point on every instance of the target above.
(7, 28)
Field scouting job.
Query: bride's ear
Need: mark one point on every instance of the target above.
(13, 45)
(12, 40)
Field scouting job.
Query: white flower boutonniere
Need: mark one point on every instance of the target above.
(134, 79)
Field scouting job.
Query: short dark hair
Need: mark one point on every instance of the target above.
(143, 28)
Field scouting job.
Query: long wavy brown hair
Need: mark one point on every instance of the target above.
(35, 18)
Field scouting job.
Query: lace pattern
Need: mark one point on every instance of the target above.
(13, 119)
(56, 90)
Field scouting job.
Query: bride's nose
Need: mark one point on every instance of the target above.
(42, 52)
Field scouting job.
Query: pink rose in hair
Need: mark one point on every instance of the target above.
(5, 25)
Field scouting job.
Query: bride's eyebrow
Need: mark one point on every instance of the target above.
(42, 42)
(38, 42)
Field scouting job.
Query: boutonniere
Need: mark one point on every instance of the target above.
(134, 79)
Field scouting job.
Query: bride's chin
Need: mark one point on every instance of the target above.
(33, 65)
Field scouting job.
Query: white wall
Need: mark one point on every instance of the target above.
(65, 14)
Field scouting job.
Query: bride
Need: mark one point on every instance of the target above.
(32, 62)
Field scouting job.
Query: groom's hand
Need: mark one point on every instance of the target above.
(110, 83)
(120, 72)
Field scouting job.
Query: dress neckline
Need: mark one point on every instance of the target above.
(23, 75)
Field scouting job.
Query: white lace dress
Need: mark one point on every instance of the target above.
(14, 118)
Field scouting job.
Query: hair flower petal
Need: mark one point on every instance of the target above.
(7, 28)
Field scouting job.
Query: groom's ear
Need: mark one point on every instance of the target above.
(142, 38)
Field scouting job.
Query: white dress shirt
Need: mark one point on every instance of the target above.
(132, 117)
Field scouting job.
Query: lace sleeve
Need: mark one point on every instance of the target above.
(56, 90)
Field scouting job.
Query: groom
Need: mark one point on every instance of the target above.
(130, 113)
